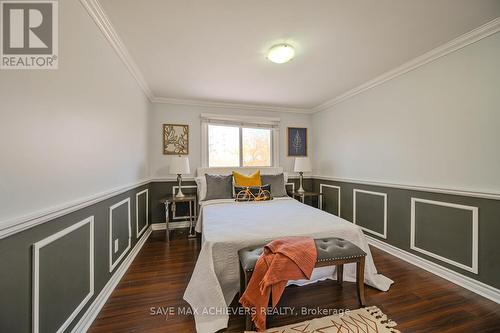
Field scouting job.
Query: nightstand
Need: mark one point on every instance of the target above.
(172, 200)
(305, 194)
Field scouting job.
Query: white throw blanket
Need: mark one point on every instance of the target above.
(228, 226)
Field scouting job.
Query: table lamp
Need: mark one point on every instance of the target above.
(179, 165)
(302, 164)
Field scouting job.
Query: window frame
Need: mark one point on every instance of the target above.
(240, 122)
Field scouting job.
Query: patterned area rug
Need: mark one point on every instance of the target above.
(366, 320)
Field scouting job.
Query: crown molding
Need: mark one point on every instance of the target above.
(97, 13)
(456, 44)
(226, 105)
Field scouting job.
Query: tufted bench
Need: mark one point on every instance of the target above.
(330, 252)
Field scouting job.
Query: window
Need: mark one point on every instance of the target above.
(230, 146)
(256, 147)
(234, 144)
(223, 146)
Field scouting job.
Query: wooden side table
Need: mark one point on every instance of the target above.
(302, 195)
(172, 200)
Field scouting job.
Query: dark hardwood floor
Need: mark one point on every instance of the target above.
(418, 301)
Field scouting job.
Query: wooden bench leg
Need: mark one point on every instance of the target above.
(242, 281)
(360, 280)
(248, 322)
(340, 273)
(248, 317)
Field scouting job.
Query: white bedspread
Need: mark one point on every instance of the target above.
(228, 226)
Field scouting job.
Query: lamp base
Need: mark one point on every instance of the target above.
(301, 188)
(179, 182)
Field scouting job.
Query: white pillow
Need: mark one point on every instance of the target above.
(285, 175)
(201, 183)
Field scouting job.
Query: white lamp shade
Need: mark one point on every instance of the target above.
(302, 164)
(179, 165)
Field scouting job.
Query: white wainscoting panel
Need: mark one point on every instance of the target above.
(112, 264)
(321, 186)
(36, 273)
(384, 195)
(475, 233)
(138, 232)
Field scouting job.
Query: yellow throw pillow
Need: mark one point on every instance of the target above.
(244, 180)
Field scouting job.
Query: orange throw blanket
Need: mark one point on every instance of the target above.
(284, 259)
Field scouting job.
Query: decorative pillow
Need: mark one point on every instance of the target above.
(253, 193)
(201, 185)
(277, 183)
(219, 187)
(244, 180)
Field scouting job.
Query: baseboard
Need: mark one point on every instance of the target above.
(475, 286)
(158, 226)
(172, 225)
(93, 310)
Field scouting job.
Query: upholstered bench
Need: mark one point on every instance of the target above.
(330, 252)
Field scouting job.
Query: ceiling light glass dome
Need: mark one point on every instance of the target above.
(281, 53)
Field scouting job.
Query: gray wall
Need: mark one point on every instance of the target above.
(445, 231)
(64, 264)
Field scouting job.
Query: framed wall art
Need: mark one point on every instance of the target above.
(297, 141)
(175, 139)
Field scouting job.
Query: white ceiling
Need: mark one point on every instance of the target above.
(216, 50)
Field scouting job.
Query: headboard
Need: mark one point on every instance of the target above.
(244, 170)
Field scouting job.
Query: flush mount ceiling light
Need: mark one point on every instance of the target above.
(281, 53)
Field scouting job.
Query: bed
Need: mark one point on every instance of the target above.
(228, 226)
